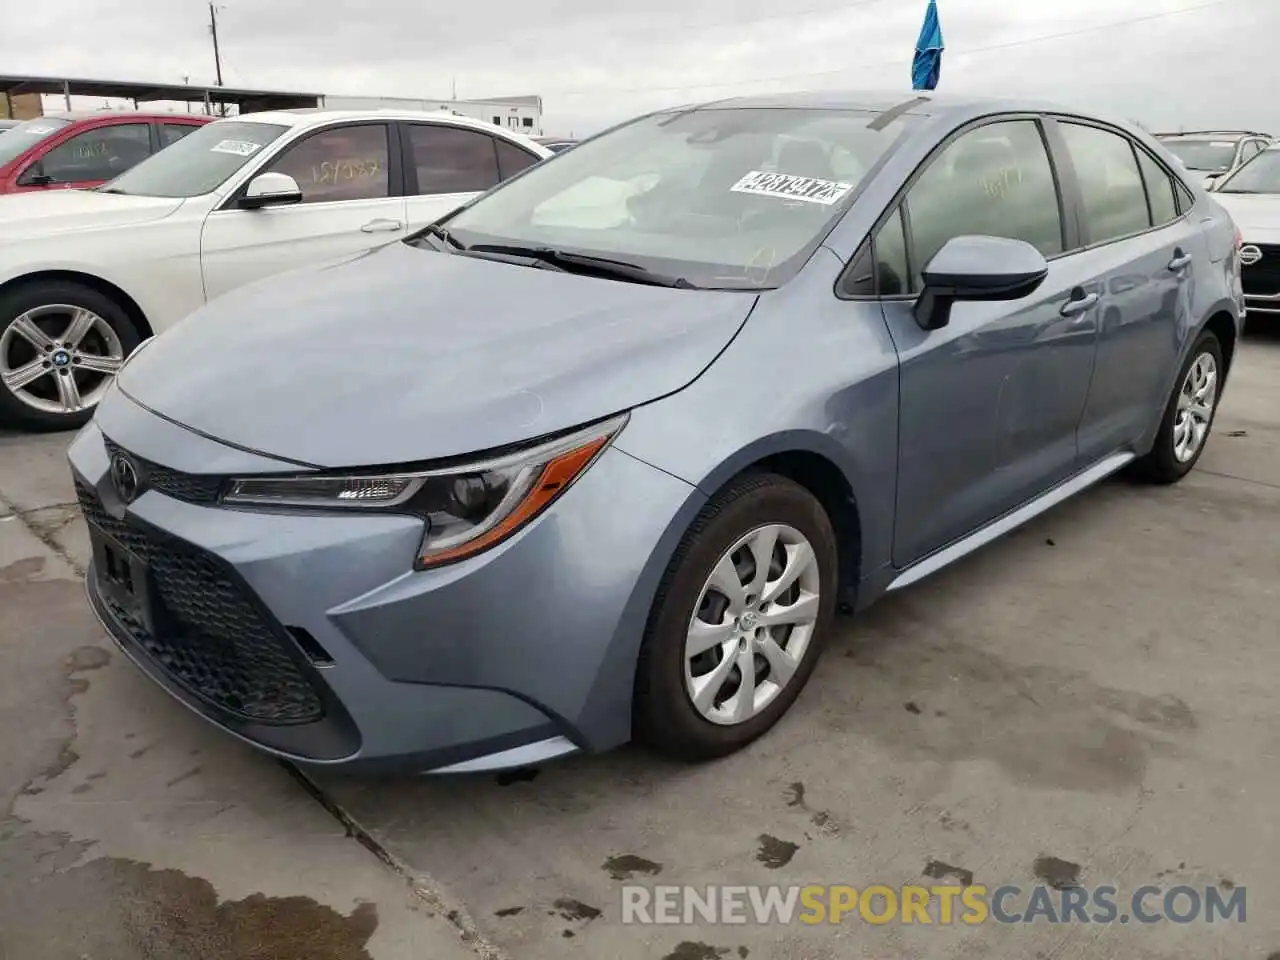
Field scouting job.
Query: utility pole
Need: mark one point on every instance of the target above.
(217, 56)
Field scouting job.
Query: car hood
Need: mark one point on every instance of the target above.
(59, 211)
(407, 355)
(1256, 214)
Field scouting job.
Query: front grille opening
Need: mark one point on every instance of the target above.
(311, 647)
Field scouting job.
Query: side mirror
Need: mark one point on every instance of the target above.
(271, 190)
(977, 268)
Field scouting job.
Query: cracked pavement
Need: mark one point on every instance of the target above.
(1091, 700)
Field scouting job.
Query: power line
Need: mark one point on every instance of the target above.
(590, 91)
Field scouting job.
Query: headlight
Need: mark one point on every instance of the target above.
(467, 508)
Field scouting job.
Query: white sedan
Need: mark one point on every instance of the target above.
(86, 275)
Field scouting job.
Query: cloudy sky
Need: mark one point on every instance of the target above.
(1165, 63)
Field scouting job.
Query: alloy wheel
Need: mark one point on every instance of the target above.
(752, 625)
(59, 358)
(1196, 401)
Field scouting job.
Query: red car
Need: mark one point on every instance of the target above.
(75, 150)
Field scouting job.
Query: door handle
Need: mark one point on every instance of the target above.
(382, 226)
(1179, 261)
(1079, 305)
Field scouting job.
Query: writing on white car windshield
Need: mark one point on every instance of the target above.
(712, 197)
(1259, 175)
(21, 138)
(200, 162)
(1208, 156)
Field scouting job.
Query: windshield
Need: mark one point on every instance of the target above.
(19, 139)
(721, 197)
(1210, 156)
(199, 163)
(1259, 175)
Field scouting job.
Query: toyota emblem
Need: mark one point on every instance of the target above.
(124, 476)
(1250, 255)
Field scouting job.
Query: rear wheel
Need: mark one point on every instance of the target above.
(739, 620)
(61, 343)
(1188, 416)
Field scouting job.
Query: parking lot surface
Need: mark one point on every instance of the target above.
(1089, 700)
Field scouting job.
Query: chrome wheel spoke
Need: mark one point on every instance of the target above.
(706, 687)
(726, 581)
(705, 636)
(782, 666)
(24, 375)
(804, 610)
(69, 393)
(743, 705)
(82, 321)
(26, 328)
(762, 546)
(94, 363)
(799, 559)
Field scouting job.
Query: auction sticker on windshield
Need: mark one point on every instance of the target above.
(785, 186)
(240, 148)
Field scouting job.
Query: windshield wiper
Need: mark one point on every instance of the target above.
(564, 260)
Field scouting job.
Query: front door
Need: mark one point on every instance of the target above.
(350, 203)
(989, 404)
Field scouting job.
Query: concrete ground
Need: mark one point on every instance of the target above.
(1091, 698)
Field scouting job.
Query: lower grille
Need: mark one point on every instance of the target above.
(191, 487)
(214, 639)
(1262, 278)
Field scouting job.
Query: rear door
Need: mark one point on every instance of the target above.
(88, 157)
(447, 165)
(352, 201)
(1142, 247)
(989, 404)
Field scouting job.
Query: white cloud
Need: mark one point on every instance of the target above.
(595, 64)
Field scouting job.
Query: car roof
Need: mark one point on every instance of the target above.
(921, 103)
(1212, 135)
(313, 117)
(122, 115)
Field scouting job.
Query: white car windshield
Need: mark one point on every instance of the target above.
(720, 197)
(1208, 156)
(1259, 175)
(22, 137)
(200, 162)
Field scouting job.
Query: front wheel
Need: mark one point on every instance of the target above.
(61, 343)
(739, 620)
(1188, 415)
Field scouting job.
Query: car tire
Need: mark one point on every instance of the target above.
(666, 718)
(1170, 459)
(46, 310)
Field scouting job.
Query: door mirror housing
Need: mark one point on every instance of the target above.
(977, 268)
(271, 190)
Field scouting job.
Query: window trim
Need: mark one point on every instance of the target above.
(411, 168)
(1178, 214)
(1069, 167)
(247, 173)
(73, 132)
(1067, 224)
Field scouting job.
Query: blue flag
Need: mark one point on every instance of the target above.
(926, 65)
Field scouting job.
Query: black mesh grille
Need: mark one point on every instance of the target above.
(1263, 277)
(215, 640)
(191, 487)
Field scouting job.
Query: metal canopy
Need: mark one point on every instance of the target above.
(141, 92)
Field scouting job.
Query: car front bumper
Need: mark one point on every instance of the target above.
(311, 637)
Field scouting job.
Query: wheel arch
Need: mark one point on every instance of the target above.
(104, 287)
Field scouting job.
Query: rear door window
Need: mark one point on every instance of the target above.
(451, 159)
(1111, 187)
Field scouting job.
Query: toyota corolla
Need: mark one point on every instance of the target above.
(599, 456)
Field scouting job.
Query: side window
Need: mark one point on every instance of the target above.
(342, 163)
(98, 154)
(1115, 203)
(173, 132)
(1160, 190)
(511, 159)
(995, 180)
(452, 159)
(881, 266)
